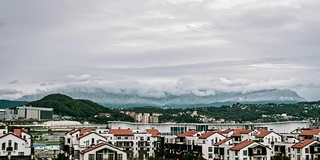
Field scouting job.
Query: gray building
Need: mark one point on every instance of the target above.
(7, 114)
(38, 113)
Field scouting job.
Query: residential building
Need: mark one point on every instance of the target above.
(307, 149)
(250, 150)
(102, 151)
(15, 145)
(207, 141)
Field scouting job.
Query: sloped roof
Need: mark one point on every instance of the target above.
(187, 134)
(73, 131)
(222, 141)
(310, 132)
(262, 133)
(98, 146)
(302, 143)
(121, 132)
(241, 145)
(153, 132)
(238, 132)
(227, 130)
(11, 134)
(206, 135)
(89, 133)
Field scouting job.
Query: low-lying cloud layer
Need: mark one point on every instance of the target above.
(151, 47)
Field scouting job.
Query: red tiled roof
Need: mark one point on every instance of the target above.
(262, 133)
(241, 145)
(187, 134)
(238, 132)
(302, 143)
(73, 131)
(227, 131)
(121, 132)
(88, 133)
(206, 135)
(153, 132)
(310, 132)
(222, 141)
(92, 148)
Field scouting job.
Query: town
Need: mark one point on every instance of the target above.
(146, 139)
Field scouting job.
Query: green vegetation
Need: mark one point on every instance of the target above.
(10, 104)
(239, 112)
(83, 110)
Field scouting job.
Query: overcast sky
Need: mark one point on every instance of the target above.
(157, 46)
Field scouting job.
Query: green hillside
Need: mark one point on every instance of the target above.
(80, 109)
(9, 104)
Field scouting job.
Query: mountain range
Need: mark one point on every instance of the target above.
(125, 100)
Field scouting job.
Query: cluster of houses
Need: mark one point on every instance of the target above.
(229, 144)
(125, 144)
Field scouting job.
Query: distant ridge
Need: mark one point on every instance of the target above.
(106, 98)
(10, 104)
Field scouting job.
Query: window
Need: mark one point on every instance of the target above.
(91, 156)
(9, 143)
(4, 146)
(68, 140)
(307, 150)
(236, 153)
(245, 158)
(298, 150)
(92, 140)
(21, 153)
(110, 156)
(245, 152)
(289, 150)
(119, 157)
(210, 149)
(15, 146)
(298, 157)
(210, 155)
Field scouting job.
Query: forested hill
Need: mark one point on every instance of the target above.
(237, 112)
(9, 104)
(85, 109)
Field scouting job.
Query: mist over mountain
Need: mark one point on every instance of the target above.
(130, 99)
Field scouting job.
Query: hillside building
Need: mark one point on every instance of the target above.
(37, 113)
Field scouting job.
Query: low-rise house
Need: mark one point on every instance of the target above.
(250, 150)
(309, 134)
(305, 150)
(102, 151)
(221, 149)
(16, 145)
(207, 141)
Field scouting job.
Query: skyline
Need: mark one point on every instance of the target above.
(151, 47)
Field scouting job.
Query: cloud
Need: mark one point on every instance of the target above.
(9, 93)
(152, 47)
(14, 82)
(81, 78)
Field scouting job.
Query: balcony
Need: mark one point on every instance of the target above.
(257, 152)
